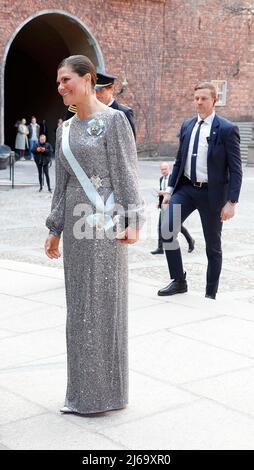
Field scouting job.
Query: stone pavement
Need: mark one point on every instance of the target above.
(191, 358)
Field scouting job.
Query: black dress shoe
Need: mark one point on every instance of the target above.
(175, 287)
(209, 296)
(158, 251)
(40, 190)
(191, 245)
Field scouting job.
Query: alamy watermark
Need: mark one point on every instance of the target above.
(96, 224)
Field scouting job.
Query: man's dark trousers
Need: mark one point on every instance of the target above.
(191, 198)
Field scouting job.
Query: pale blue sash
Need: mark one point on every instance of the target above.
(101, 219)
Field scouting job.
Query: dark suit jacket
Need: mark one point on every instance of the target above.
(127, 111)
(223, 161)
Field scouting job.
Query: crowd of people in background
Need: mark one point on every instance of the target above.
(32, 140)
(28, 136)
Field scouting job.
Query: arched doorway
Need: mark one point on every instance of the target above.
(30, 68)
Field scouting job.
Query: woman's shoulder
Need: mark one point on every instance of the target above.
(108, 114)
(106, 118)
(117, 117)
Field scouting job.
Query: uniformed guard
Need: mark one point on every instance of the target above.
(105, 93)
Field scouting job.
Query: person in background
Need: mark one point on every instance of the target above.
(44, 128)
(164, 167)
(17, 123)
(34, 132)
(42, 156)
(21, 142)
(207, 177)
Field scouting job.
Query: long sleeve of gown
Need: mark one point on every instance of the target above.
(122, 158)
(55, 220)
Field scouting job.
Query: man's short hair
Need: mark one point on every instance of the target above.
(208, 85)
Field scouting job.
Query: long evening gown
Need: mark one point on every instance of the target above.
(96, 270)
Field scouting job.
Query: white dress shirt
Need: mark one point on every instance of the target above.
(201, 162)
(164, 182)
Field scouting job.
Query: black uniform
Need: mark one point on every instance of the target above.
(106, 80)
(128, 113)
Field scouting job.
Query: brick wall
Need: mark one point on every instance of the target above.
(162, 47)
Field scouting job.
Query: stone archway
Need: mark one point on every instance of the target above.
(29, 68)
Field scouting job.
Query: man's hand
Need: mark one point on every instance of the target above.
(166, 199)
(228, 211)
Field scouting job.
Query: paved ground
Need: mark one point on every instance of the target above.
(191, 359)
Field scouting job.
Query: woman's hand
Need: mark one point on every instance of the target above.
(128, 236)
(52, 247)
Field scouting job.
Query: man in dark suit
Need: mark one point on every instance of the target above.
(206, 176)
(105, 93)
(164, 167)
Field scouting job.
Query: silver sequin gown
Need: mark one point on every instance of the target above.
(96, 270)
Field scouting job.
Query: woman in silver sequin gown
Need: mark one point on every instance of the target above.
(96, 270)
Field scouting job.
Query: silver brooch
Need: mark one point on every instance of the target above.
(96, 181)
(100, 222)
(95, 127)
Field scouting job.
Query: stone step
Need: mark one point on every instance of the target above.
(246, 133)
